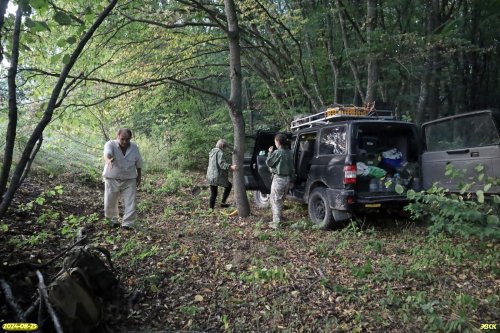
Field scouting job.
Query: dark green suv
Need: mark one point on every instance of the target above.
(351, 164)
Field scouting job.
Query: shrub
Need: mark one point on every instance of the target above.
(174, 181)
(466, 214)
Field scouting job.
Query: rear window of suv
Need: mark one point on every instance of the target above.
(462, 132)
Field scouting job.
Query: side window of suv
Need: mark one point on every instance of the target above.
(333, 141)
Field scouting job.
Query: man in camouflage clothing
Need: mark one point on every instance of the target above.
(280, 161)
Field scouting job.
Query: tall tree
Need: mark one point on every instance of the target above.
(234, 104)
(57, 95)
(371, 22)
(13, 117)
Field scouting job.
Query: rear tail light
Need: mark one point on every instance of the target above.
(350, 174)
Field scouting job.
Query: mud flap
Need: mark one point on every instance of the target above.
(341, 215)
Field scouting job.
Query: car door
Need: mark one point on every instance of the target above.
(463, 141)
(256, 172)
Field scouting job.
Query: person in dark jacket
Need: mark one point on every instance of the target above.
(217, 173)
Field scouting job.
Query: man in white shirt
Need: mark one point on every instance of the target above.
(122, 176)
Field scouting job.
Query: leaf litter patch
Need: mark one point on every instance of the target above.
(188, 269)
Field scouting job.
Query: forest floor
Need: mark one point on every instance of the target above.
(186, 269)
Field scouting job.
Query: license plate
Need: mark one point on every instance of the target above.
(377, 205)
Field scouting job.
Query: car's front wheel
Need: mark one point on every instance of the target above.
(320, 212)
(261, 199)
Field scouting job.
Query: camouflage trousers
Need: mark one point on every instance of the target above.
(279, 188)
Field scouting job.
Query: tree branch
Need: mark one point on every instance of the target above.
(42, 289)
(213, 15)
(10, 136)
(51, 106)
(3, 9)
(169, 26)
(31, 159)
(350, 19)
(9, 297)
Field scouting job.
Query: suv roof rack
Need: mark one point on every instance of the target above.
(338, 113)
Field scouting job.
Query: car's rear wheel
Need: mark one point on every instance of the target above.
(320, 212)
(261, 199)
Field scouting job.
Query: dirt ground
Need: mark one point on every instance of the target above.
(187, 269)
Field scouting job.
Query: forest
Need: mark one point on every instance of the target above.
(184, 73)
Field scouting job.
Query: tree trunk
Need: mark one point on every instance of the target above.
(423, 96)
(331, 58)
(53, 103)
(312, 70)
(3, 10)
(430, 62)
(352, 64)
(234, 104)
(10, 138)
(371, 60)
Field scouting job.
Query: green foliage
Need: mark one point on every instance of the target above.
(168, 212)
(190, 310)
(438, 250)
(174, 181)
(48, 216)
(39, 238)
(72, 224)
(389, 270)
(42, 198)
(462, 213)
(128, 247)
(260, 275)
(362, 271)
(144, 206)
(302, 224)
(192, 140)
(36, 239)
(136, 250)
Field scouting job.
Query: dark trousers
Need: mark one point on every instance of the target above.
(213, 194)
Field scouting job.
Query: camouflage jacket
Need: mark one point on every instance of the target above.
(218, 168)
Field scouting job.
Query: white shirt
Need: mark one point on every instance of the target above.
(124, 166)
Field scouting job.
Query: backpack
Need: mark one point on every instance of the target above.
(100, 275)
(78, 308)
(76, 289)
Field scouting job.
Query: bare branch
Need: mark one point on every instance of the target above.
(42, 289)
(67, 89)
(9, 297)
(31, 159)
(213, 15)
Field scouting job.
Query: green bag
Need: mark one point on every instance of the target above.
(78, 308)
(100, 274)
(376, 172)
(76, 290)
